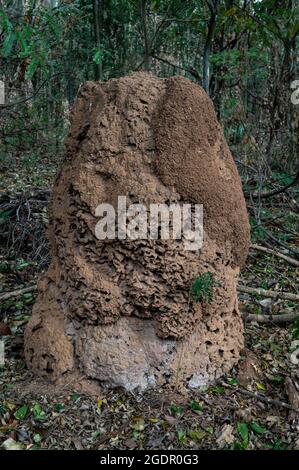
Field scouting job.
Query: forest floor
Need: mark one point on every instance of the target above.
(253, 408)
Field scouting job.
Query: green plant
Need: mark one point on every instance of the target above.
(295, 329)
(243, 432)
(202, 288)
(174, 409)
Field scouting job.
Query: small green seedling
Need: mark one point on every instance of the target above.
(202, 288)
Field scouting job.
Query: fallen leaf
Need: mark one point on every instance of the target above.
(100, 403)
(21, 412)
(257, 428)
(261, 387)
(38, 412)
(11, 444)
(4, 330)
(130, 443)
(226, 436)
(170, 419)
(195, 406)
(242, 429)
(138, 424)
(9, 405)
(197, 435)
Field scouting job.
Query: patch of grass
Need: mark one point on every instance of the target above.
(202, 288)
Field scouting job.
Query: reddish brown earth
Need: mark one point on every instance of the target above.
(120, 310)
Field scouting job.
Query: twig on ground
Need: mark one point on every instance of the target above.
(277, 191)
(260, 397)
(17, 292)
(279, 318)
(281, 243)
(293, 395)
(263, 249)
(269, 293)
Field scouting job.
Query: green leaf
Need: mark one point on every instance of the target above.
(8, 44)
(54, 25)
(38, 413)
(21, 412)
(22, 264)
(238, 446)
(277, 379)
(136, 435)
(176, 409)
(242, 429)
(23, 44)
(3, 409)
(98, 56)
(37, 438)
(74, 396)
(293, 30)
(257, 428)
(218, 389)
(35, 447)
(5, 214)
(4, 21)
(261, 387)
(197, 435)
(58, 407)
(202, 288)
(28, 296)
(181, 435)
(195, 406)
(232, 381)
(277, 445)
(31, 68)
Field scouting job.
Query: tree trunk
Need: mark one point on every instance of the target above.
(213, 7)
(147, 53)
(97, 26)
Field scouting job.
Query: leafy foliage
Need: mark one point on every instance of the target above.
(202, 288)
(47, 49)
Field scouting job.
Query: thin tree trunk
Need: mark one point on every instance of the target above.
(213, 7)
(97, 14)
(147, 52)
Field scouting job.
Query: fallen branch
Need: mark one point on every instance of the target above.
(17, 292)
(277, 191)
(269, 293)
(260, 397)
(279, 318)
(293, 395)
(263, 249)
(281, 243)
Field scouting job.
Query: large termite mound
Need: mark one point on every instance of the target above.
(121, 311)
